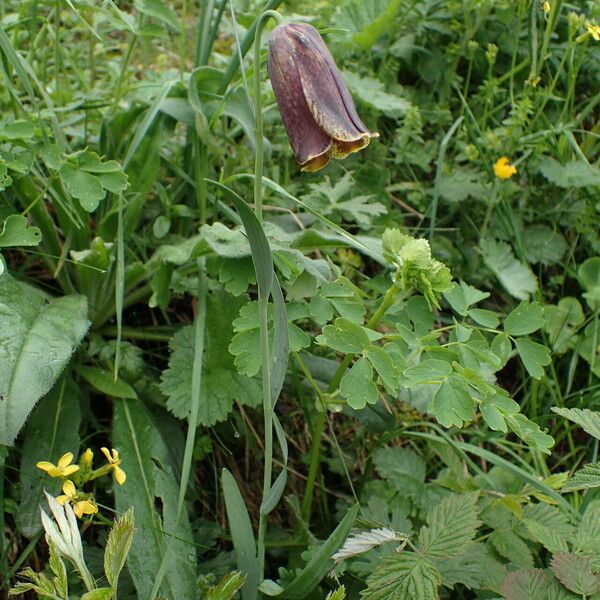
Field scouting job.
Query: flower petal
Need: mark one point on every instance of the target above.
(62, 499)
(69, 488)
(106, 453)
(307, 139)
(65, 459)
(120, 475)
(69, 470)
(44, 465)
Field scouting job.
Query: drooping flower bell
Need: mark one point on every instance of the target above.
(316, 107)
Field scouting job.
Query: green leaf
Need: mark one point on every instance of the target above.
(585, 478)
(227, 588)
(38, 335)
(462, 296)
(458, 186)
(385, 367)
(17, 232)
(357, 385)
(103, 381)
(344, 336)
(52, 430)
(533, 355)
(587, 536)
(485, 318)
(574, 174)
(371, 92)
(151, 489)
(589, 275)
(477, 567)
(533, 584)
(406, 576)
(403, 469)
(524, 319)
(562, 322)
(159, 10)
(516, 278)
(529, 432)
(368, 20)
(319, 565)
(104, 593)
(544, 245)
(509, 545)
(118, 546)
(576, 573)
(588, 419)
(222, 385)
(550, 538)
(430, 370)
(451, 526)
(83, 186)
(452, 403)
(241, 534)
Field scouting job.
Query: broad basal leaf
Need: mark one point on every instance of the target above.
(16, 231)
(151, 489)
(403, 468)
(574, 174)
(38, 335)
(222, 385)
(576, 573)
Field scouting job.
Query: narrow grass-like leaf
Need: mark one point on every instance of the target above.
(261, 252)
(319, 565)
(241, 534)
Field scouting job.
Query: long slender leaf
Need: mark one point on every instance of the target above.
(242, 535)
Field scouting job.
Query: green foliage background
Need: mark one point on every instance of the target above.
(433, 329)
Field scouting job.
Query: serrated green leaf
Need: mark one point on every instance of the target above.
(104, 593)
(222, 385)
(406, 576)
(587, 477)
(372, 92)
(509, 545)
(544, 245)
(532, 584)
(403, 468)
(516, 278)
(118, 546)
(524, 319)
(551, 539)
(576, 573)
(574, 174)
(357, 385)
(587, 535)
(451, 526)
(533, 355)
(587, 419)
(368, 20)
(16, 231)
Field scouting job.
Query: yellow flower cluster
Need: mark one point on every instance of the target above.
(74, 475)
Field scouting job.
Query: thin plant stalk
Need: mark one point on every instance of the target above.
(263, 297)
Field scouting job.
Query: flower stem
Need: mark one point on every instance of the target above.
(258, 120)
(263, 296)
(319, 428)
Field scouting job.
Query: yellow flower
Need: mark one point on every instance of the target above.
(503, 169)
(113, 458)
(546, 6)
(80, 507)
(594, 30)
(64, 468)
